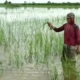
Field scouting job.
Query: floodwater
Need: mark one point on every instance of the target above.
(29, 50)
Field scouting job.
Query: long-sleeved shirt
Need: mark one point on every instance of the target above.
(71, 34)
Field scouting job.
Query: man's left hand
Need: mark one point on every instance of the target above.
(78, 50)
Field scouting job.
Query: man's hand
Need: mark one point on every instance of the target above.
(78, 49)
(50, 25)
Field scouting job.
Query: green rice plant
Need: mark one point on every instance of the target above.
(47, 49)
(37, 45)
(30, 51)
(54, 73)
(2, 36)
(17, 60)
(1, 68)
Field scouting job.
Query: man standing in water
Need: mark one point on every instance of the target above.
(71, 46)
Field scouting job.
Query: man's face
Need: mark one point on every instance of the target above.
(68, 20)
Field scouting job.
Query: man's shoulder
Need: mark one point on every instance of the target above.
(76, 26)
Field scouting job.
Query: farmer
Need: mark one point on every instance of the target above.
(71, 46)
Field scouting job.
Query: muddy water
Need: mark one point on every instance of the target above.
(27, 73)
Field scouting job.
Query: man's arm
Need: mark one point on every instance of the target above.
(78, 40)
(56, 29)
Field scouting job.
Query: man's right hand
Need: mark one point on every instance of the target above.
(49, 24)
